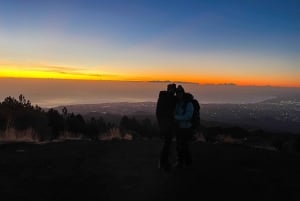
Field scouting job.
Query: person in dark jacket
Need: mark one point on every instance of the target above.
(165, 117)
(183, 116)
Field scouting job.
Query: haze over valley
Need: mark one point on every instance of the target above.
(53, 92)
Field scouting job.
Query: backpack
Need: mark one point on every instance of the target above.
(196, 113)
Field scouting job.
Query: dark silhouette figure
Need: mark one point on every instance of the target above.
(165, 116)
(183, 116)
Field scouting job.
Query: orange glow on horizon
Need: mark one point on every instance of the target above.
(16, 73)
(203, 79)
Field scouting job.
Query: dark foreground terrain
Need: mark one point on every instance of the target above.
(127, 170)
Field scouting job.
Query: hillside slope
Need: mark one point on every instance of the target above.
(127, 170)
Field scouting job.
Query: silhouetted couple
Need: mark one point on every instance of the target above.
(174, 112)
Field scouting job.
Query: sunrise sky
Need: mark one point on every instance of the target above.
(207, 42)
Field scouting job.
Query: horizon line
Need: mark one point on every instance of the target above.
(149, 81)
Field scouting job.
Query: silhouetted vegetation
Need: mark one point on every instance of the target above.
(56, 123)
(46, 125)
(143, 128)
(21, 115)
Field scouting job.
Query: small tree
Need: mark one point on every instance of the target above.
(76, 124)
(3, 121)
(55, 122)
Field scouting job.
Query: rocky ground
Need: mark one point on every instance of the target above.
(127, 170)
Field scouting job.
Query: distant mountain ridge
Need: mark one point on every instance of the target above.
(284, 100)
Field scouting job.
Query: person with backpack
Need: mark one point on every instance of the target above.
(195, 121)
(183, 115)
(164, 113)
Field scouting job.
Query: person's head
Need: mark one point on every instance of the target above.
(188, 97)
(180, 92)
(171, 88)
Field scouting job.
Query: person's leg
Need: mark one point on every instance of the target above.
(180, 147)
(186, 150)
(165, 152)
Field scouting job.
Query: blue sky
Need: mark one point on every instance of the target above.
(142, 37)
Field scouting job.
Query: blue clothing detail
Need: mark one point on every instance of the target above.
(184, 115)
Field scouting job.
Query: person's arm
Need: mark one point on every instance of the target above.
(188, 113)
